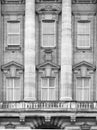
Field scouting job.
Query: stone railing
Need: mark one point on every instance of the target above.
(48, 106)
(38, 1)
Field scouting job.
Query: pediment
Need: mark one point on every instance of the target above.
(46, 64)
(84, 63)
(10, 64)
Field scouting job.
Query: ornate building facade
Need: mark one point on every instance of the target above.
(48, 60)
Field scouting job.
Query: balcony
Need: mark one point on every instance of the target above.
(65, 106)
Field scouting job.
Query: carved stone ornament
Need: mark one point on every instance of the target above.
(13, 68)
(10, 126)
(85, 126)
(49, 8)
(85, 63)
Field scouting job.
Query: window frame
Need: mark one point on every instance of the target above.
(19, 34)
(54, 44)
(79, 34)
(13, 89)
(83, 88)
(48, 88)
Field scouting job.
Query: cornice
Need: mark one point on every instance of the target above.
(12, 1)
(84, 1)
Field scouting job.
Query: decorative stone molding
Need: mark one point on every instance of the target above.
(48, 8)
(12, 1)
(12, 68)
(84, 1)
(10, 126)
(85, 126)
(22, 119)
(43, 65)
(47, 118)
(73, 119)
(84, 63)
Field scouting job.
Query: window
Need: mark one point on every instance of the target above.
(83, 89)
(13, 33)
(48, 33)
(83, 34)
(48, 88)
(12, 89)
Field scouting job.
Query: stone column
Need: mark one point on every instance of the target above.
(66, 52)
(29, 51)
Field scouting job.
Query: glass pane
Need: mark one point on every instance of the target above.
(83, 28)
(51, 82)
(83, 40)
(48, 40)
(13, 39)
(44, 94)
(13, 27)
(86, 94)
(79, 83)
(9, 83)
(9, 94)
(79, 95)
(52, 95)
(17, 94)
(16, 82)
(86, 82)
(48, 27)
(44, 82)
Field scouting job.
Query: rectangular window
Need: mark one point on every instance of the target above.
(12, 89)
(48, 87)
(48, 33)
(83, 34)
(83, 89)
(13, 33)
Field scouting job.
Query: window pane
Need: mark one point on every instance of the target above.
(13, 39)
(17, 94)
(83, 28)
(48, 27)
(16, 82)
(44, 82)
(83, 40)
(51, 82)
(79, 83)
(79, 94)
(86, 82)
(86, 94)
(44, 94)
(48, 40)
(13, 27)
(52, 95)
(9, 94)
(9, 82)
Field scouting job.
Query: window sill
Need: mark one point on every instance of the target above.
(84, 48)
(48, 48)
(13, 47)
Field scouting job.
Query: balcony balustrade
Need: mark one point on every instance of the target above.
(58, 1)
(48, 106)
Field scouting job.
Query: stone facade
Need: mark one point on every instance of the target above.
(34, 59)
